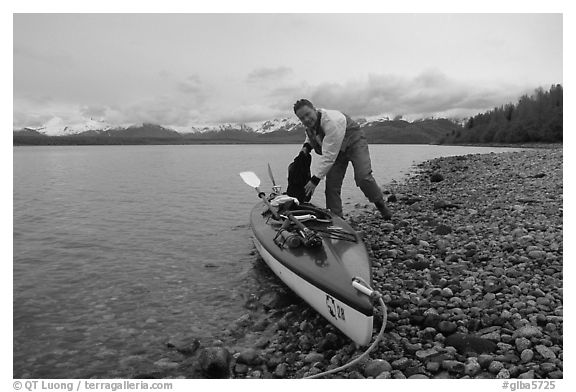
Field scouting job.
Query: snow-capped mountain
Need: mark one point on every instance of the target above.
(57, 127)
(285, 124)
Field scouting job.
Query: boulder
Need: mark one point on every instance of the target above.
(215, 362)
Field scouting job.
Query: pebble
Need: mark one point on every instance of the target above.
(249, 357)
(447, 327)
(527, 375)
(418, 376)
(281, 370)
(453, 366)
(377, 366)
(495, 366)
(545, 352)
(526, 355)
(401, 363)
(522, 344)
(313, 357)
(472, 367)
(447, 292)
(472, 278)
(527, 331)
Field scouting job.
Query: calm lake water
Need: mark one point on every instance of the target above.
(117, 248)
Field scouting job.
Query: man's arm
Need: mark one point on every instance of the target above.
(307, 147)
(334, 125)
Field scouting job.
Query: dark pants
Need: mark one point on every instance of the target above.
(355, 151)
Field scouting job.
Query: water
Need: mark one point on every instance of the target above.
(118, 248)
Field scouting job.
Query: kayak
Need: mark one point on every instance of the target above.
(326, 275)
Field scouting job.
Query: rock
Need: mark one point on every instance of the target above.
(425, 354)
(453, 366)
(274, 361)
(468, 343)
(401, 363)
(485, 376)
(472, 367)
(556, 374)
(504, 347)
(443, 230)
(537, 254)
(485, 360)
(522, 344)
(447, 327)
(354, 374)
(527, 375)
(432, 320)
(384, 376)
(493, 336)
(165, 363)
(313, 357)
(436, 177)
(249, 357)
(418, 376)
(412, 348)
(503, 373)
(241, 368)
(527, 331)
(271, 300)
(547, 367)
(433, 367)
(427, 333)
(545, 352)
(215, 362)
(328, 342)
(377, 366)
(281, 370)
(495, 367)
(526, 355)
(447, 292)
(184, 346)
(468, 283)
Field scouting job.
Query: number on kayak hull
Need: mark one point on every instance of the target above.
(334, 308)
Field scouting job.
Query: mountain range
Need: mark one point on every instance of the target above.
(286, 130)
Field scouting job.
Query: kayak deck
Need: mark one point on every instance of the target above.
(329, 268)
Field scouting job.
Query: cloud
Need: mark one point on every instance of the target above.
(248, 113)
(94, 111)
(427, 94)
(260, 75)
(189, 100)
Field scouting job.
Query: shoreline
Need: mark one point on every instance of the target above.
(471, 273)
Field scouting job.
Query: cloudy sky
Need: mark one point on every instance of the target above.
(180, 70)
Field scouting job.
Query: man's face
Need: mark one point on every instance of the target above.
(307, 116)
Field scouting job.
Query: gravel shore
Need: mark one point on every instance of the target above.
(470, 269)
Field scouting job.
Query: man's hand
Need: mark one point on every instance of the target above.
(309, 189)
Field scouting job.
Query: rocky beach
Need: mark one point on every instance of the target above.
(470, 269)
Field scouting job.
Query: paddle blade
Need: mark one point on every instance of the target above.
(250, 178)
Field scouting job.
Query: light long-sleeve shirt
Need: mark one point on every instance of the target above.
(333, 124)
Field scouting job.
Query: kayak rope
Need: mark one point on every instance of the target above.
(376, 296)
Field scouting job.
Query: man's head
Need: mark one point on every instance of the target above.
(306, 112)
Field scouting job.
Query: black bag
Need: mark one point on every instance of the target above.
(298, 177)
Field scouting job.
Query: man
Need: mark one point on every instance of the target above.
(337, 139)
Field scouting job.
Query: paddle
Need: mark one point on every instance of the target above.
(252, 179)
(276, 188)
(271, 175)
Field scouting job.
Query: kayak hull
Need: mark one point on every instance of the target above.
(322, 277)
